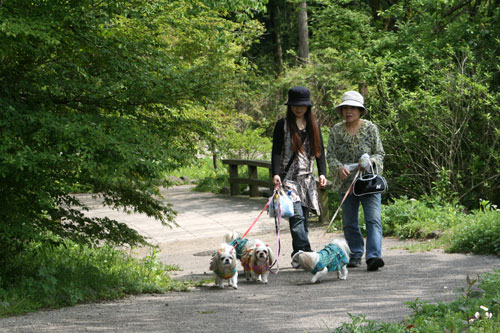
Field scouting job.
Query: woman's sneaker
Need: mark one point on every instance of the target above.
(374, 263)
(354, 262)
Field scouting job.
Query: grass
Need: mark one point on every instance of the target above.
(477, 309)
(213, 180)
(48, 276)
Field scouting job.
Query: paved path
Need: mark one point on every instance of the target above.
(289, 303)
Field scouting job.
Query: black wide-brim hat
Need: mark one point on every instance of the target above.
(299, 96)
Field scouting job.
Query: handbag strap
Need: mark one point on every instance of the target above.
(289, 165)
(374, 172)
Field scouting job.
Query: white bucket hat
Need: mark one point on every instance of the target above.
(352, 98)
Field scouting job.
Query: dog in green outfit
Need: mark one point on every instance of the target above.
(332, 258)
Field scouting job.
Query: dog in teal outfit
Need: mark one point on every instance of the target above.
(332, 258)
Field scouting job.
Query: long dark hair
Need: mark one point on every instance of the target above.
(312, 130)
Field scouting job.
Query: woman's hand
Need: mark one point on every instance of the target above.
(322, 181)
(365, 162)
(276, 180)
(343, 173)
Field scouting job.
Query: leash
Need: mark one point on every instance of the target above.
(341, 203)
(255, 221)
(277, 227)
(277, 224)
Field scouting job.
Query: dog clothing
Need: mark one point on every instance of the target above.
(260, 269)
(225, 275)
(331, 257)
(240, 244)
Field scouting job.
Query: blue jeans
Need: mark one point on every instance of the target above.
(299, 228)
(350, 220)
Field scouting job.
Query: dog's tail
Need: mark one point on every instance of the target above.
(342, 243)
(230, 236)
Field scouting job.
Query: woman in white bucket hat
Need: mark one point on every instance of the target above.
(352, 144)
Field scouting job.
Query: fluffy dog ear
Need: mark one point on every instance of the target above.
(213, 261)
(306, 260)
(251, 257)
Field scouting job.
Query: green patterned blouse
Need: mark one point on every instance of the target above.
(344, 148)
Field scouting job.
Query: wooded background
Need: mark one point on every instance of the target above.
(109, 96)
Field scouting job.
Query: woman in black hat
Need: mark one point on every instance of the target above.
(297, 143)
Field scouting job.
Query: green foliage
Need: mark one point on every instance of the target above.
(478, 233)
(45, 276)
(213, 184)
(419, 218)
(106, 97)
(477, 310)
(437, 101)
(201, 168)
(429, 75)
(250, 144)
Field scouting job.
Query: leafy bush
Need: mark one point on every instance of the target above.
(418, 218)
(250, 144)
(66, 274)
(479, 233)
(73, 117)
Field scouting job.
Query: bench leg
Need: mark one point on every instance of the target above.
(252, 174)
(233, 173)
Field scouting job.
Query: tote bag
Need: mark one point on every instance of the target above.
(286, 206)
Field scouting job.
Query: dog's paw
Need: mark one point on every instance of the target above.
(342, 274)
(319, 275)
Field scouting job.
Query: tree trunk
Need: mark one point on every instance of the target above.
(275, 27)
(303, 33)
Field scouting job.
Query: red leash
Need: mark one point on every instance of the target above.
(252, 225)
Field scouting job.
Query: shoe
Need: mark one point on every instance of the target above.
(374, 263)
(354, 262)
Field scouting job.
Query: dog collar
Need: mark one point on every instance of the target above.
(226, 275)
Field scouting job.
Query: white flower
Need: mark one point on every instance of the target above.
(488, 315)
(471, 320)
(476, 315)
(484, 308)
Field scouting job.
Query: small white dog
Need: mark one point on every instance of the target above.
(256, 256)
(333, 257)
(260, 258)
(223, 265)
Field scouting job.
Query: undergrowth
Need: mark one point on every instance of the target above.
(67, 274)
(477, 309)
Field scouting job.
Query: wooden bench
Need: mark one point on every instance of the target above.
(253, 182)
